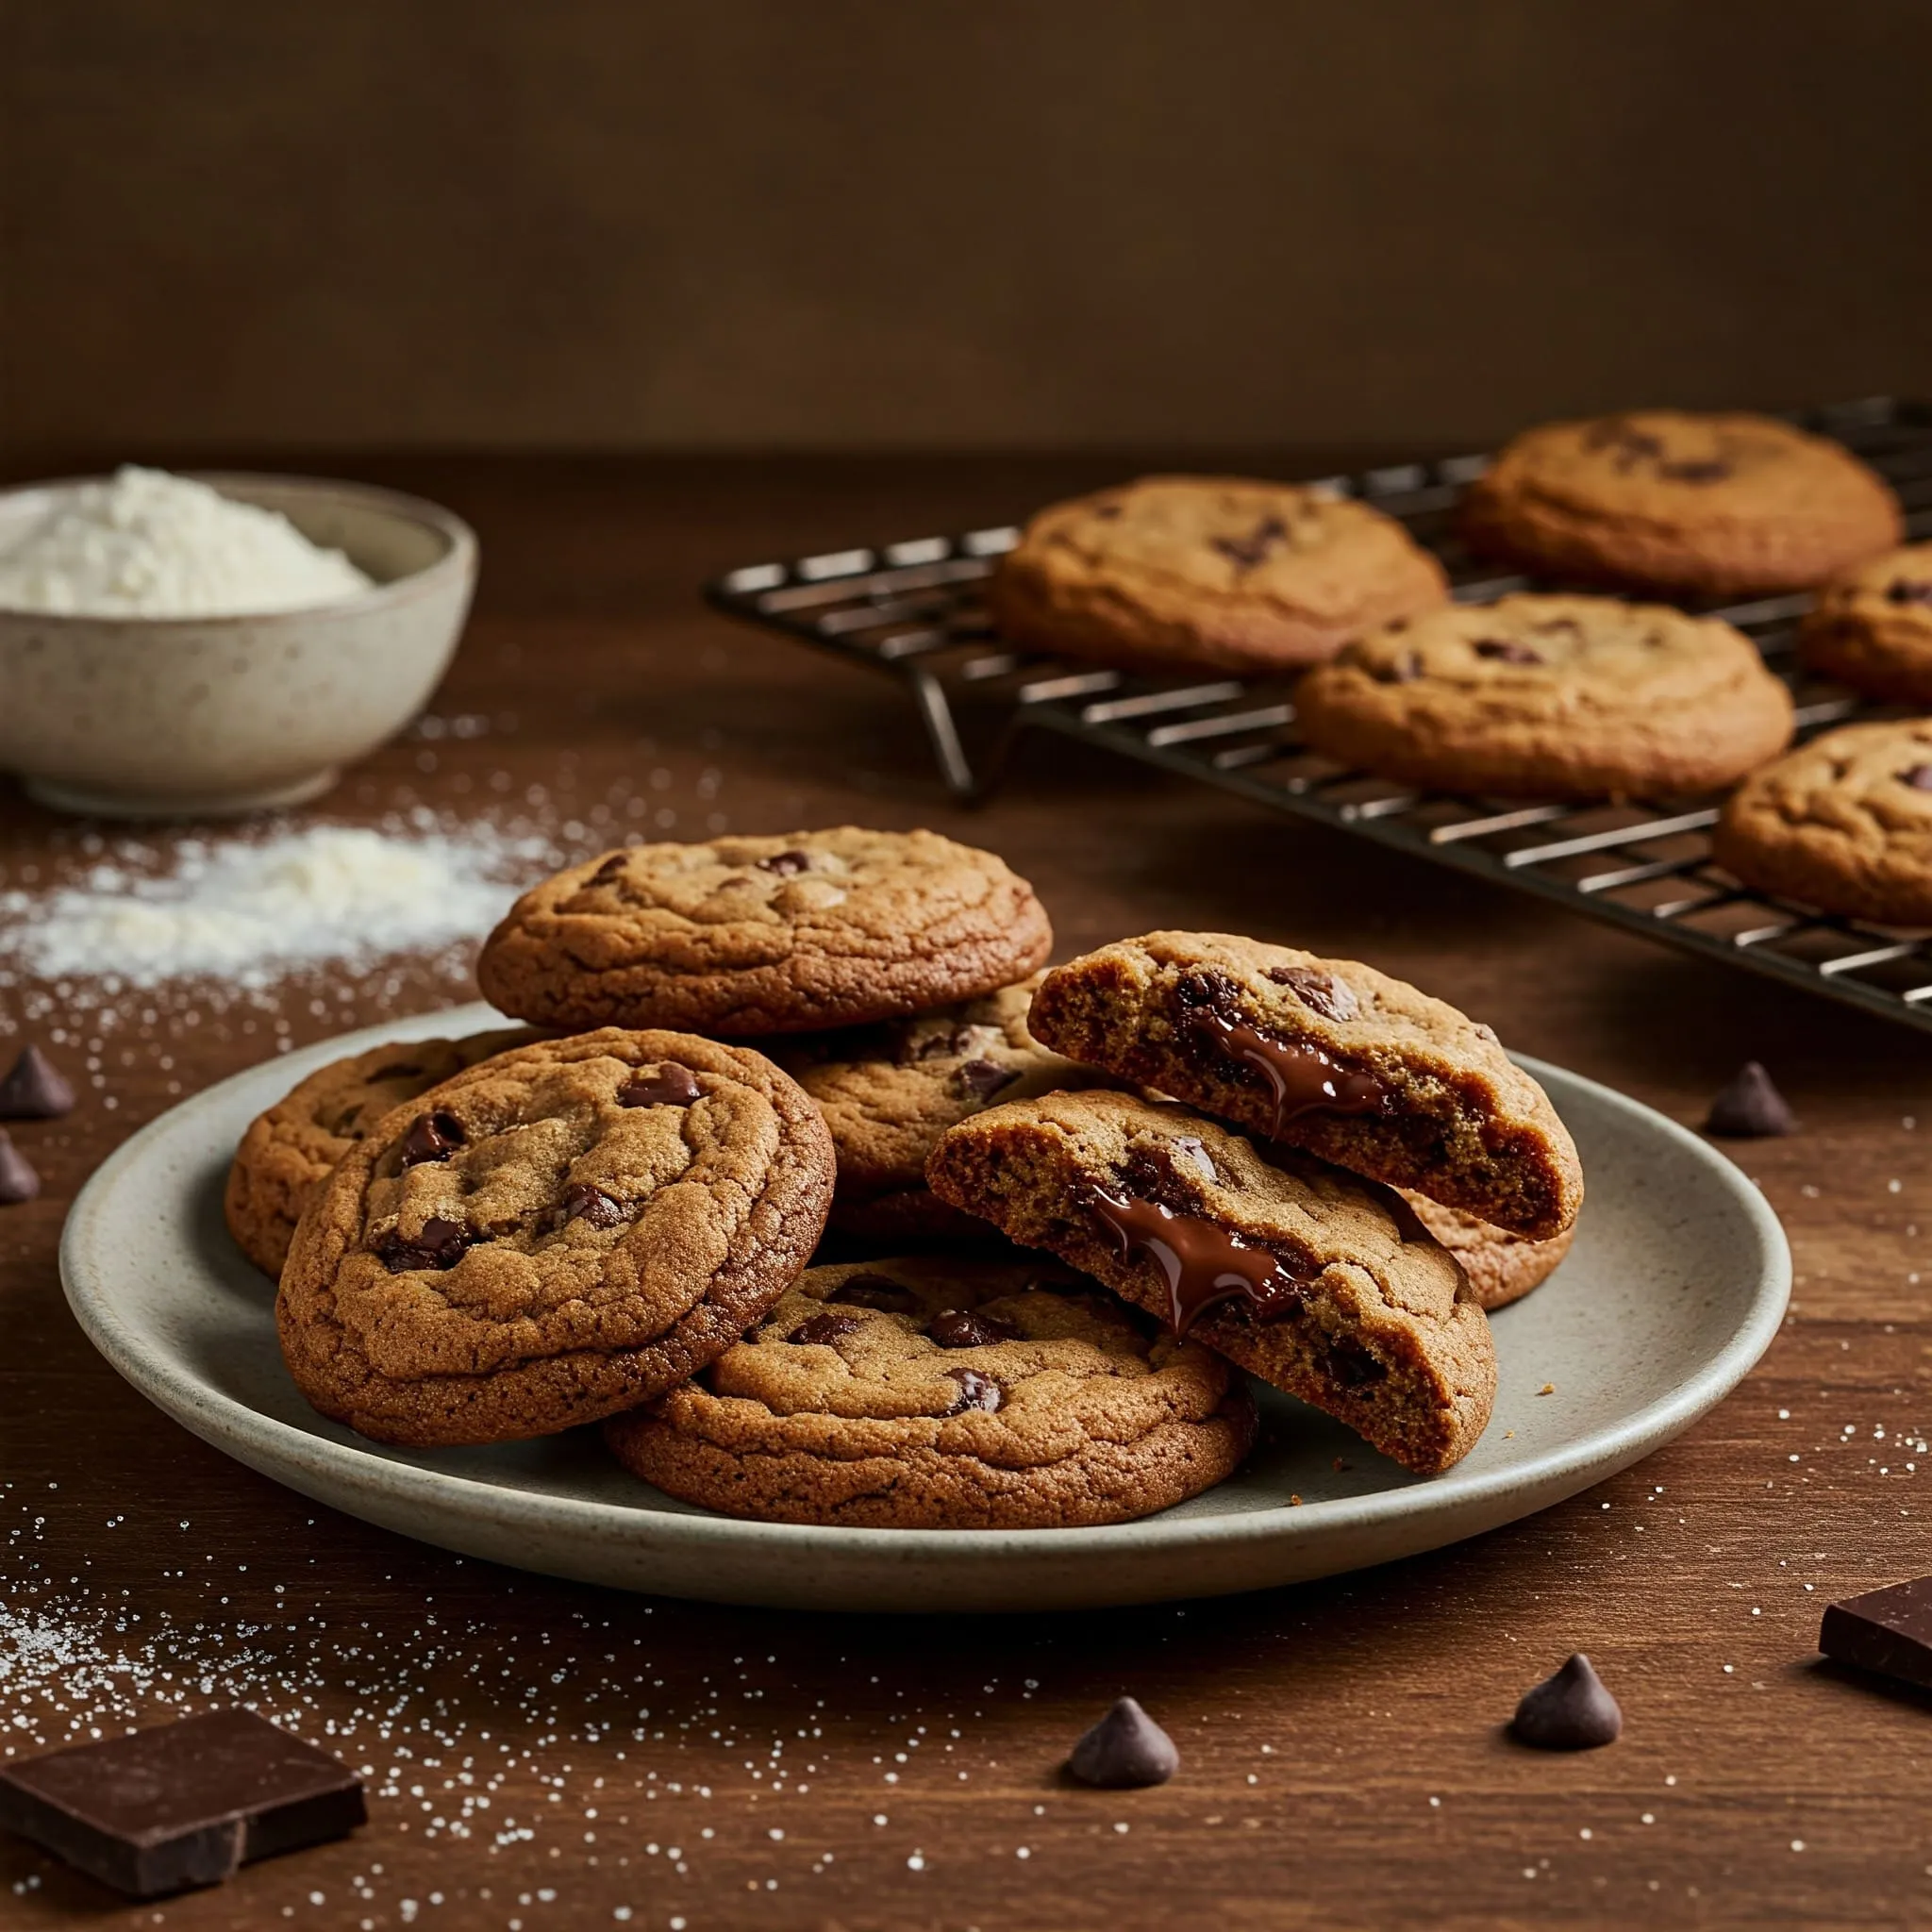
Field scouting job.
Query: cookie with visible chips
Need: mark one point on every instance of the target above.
(1317, 1281)
(289, 1151)
(561, 1232)
(741, 938)
(936, 1393)
(889, 1091)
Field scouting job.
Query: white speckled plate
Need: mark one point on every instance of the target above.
(1675, 1288)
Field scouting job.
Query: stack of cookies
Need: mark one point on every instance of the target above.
(1580, 695)
(1069, 1209)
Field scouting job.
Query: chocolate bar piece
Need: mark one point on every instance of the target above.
(183, 1803)
(1886, 1630)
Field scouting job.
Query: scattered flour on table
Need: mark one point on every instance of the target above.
(248, 912)
(145, 543)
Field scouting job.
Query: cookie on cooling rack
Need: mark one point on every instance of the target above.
(1219, 572)
(1711, 506)
(930, 1392)
(745, 936)
(1844, 824)
(1553, 698)
(1318, 1282)
(1872, 628)
(1329, 1055)
(563, 1231)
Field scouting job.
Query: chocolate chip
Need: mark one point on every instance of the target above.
(1205, 990)
(669, 1085)
(610, 868)
(786, 863)
(1918, 777)
(440, 1245)
(827, 1326)
(1505, 651)
(1334, 999)
(975, 1391)
(1351, 1364)
(432, 1136)
(1571, 1712)
(969, 1328)
(1249, 552)
(982, 1079)
(1750, 1108)
(876, 1291)
(18, 1180)
(935, 1046)
(33, 1088)
(582, 1201)
(1902, 590)
(1124, 1750)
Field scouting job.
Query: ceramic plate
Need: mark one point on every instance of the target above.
(1673, 1289)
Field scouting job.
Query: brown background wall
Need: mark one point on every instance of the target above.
(852, 223)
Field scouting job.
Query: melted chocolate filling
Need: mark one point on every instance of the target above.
(1203, 1262)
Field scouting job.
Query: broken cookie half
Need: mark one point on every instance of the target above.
(1316, 1282)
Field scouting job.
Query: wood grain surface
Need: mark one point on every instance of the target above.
(662, 1764)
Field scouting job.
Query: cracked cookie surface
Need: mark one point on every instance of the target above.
(559, 1233)
(1669, 500)
(942, 1393)
(1872, 628)
(289, 1151)
(1560, 697)
(744, 936)
(1318, 1282)
(1221, 572)
(1843, 823)
(889, 1091)
(1327, 1054)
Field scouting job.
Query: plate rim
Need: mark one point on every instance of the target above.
(232, 1426)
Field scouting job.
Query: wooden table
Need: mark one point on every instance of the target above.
(1343, 1762)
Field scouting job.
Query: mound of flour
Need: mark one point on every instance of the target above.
(145, 543)
(248, 912)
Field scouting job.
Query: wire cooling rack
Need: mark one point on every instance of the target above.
(913, 610)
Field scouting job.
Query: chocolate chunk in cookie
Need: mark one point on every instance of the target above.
(291, 1149)
(1381, 1078)
(1872, 628)
(1318, 1282)
(1666, 500)
(568, 1256)
(973, 1396)
(746, 937)
(1219, 571)
(889, 1091)
(1844, 824)
(1556, 698)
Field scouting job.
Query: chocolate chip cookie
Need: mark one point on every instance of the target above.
(1328, 1055)
(559, 1233)
(1500, 1267)
(1318, 1282)
(931, 1393)
(1666, 500)
(1556, 697)
(889, 1091)
(291, 1149)
(1844, 824)
(754, 936)
(1872, 628)
(1219, 571)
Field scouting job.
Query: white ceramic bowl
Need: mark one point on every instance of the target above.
(134, 717)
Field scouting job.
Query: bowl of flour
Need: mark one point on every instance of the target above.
(180, 646)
